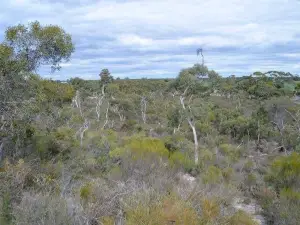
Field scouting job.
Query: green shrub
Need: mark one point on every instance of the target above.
(227, 174)
(56, 92)
(141, 147)
(285, 171)
(212, 175)
(210, 211)
(6, 209)
(232, 152)
(180, 159)
(241, 218)
(86, 191)
(129, 125)
(167, 211)
(45, 145)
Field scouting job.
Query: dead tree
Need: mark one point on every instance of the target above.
(77, 103)
(98, 106)
(106, 116)
(116, 109)
(119, 219)
(279, 122)
(1, 152)
(189, 117)
(82, 130)
(296, 119)
(144, 108)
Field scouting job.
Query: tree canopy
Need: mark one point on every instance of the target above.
(37, 45)
(105, 77)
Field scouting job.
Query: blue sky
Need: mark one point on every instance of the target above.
(157, 38)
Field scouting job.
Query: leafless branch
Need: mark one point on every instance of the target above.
(144, 108)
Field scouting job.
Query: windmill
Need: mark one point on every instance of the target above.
(200, 51)
(202, 72)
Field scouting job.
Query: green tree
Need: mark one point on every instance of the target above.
(37, 45)
(24, 50)
(106, 77)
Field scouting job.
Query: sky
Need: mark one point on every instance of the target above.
(158, 38)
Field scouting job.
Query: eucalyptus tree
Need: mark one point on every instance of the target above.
(24, 50)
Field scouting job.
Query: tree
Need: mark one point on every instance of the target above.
(37, 45)
(106, 77)
(8, 63)
(24, 50)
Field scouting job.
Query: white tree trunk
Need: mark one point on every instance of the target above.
(106, 116)
(76, 102)
(82, 130)
(98, 106)
(143, 108)
(192, 125)
(196, 153)
(1, 151)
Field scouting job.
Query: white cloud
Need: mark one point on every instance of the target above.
(135, 40)
(140, 33)
(290, 55)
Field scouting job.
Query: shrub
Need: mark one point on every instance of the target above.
(86, 191)
(6, 209)
(45, 145)
(227, 174)
(240, 218)
(230, 151)
(107, 220)
(56, 92)
(40, 209)
(285, 171)
(212, 175)
(141, 147)
(167, 211)
(210, 210)
(180, 159)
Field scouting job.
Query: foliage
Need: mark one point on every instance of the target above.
(81, 153)
(37, 44)
(285, 171)
(105, 76)
(140, 147)
(56, 92)
(241, 218)
(168, 210)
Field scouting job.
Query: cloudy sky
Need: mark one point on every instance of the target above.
(156, 38)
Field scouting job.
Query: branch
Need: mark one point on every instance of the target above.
(106, 116)
(143, 108)
(1, 151)
(294, 118)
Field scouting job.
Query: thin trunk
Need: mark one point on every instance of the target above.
(143, 108)
(119, 220)
(98, 107)
(196, 153)
(192, 125)
(106, 116)
(102, 90)
(1, 152)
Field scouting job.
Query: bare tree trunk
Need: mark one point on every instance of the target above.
(177, 129)
(82, 130)
(196, 153)
(119, 220)
(98, 106)
(102, 90)
(117, 110)
(1, 151)
(192, 125)
(106, 116)
(76, 102)
(143, 108)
